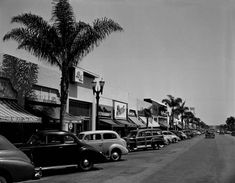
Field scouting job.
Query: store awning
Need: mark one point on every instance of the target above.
(110, 122)
(136, 121)
(11, 112)
(126, 123)
(69, 118)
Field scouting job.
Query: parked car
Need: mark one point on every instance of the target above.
(210, 134)
(106, 141)
(189, 133)
(221, 132)
(170, 137)
(14, 164)
(51, 149)
(180, 134)
(144, 138)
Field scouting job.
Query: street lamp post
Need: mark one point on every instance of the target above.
(97, 90)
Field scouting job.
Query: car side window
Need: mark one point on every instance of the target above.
(97, 136)
(148, 133)
(141, 134)
(109, 136)
(69, 139)
(54, 139)
(156, 132)
(88, 137)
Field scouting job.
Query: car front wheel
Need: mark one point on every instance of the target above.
(115, 155)
(85, 164)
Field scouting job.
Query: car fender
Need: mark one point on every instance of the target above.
(123, 149)
(17, 169)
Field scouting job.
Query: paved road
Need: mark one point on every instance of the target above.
(198, 160)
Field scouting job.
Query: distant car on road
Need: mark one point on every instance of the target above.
(106, 141)
(221, 132)
(14, 164)
(210, 134)
(233, 133)
(145, 138)
(51, 149)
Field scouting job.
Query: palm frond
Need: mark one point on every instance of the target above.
(64, 19)
(105, 26)
(41, 43)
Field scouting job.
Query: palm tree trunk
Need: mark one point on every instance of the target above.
(64, 87)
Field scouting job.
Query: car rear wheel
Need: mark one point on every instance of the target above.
(115, 155)
(153, 145)
(85, 164)
(3, 179)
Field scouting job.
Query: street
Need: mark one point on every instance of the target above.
(197, 160)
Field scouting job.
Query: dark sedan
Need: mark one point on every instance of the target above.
(14, 164)
(52, 149)
(209, 134)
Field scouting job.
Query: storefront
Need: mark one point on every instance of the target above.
(16, 123)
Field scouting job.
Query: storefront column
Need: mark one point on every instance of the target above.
(93, 123)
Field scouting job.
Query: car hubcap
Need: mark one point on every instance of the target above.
(115, 156)
(86, 163)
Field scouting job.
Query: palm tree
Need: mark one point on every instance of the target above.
(147, 114)
(189, 117)
(63, 43)
(173, 103)
(182, 109)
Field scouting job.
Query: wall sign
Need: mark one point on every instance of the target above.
(78, 75)
(120, 110)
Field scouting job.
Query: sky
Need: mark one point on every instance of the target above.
(184, 48)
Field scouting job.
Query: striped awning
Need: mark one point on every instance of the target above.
(136, 121)
(126, 123)
(11, 112)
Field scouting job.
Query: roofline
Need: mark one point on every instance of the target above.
(89, 72)
(150, 100)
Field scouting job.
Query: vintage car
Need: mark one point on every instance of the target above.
(170, 137)
(106, 141)
(210, 134)
(180, 134)
(51, 149)
(14, 164)
(145, 138)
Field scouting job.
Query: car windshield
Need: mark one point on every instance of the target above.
(34, 139)
(80, 136)
(132, 134)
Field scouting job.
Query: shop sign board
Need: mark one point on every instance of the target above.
(78, 76)
(105, 111)
(120, 110)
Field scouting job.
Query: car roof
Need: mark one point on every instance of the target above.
(51, 132)
(98, 131)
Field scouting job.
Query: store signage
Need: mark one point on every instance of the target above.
(120, 110)
(105, 111)
(46, 96)
(78, 76)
